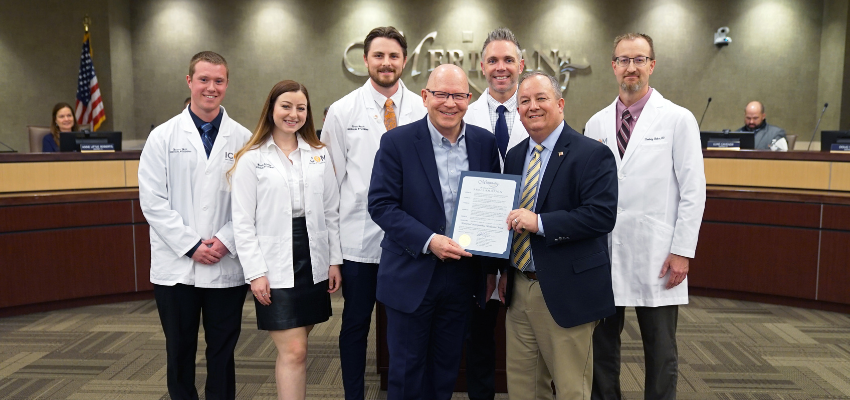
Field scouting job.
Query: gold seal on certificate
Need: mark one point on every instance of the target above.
(483, 204)
(464, 240)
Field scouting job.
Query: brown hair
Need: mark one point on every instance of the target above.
(633, 36)
(265, 126)
(210, 57)
(54, 128)
(388, 32)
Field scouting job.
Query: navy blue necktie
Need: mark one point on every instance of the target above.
(502, 131)
(207, 138)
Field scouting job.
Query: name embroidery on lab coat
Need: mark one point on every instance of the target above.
(655, 139)
(317, 160)
(264, 165)
(180, 150)
(357, 128)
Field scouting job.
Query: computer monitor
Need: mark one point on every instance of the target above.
(71, 141)
(828, 138)
(746, 140)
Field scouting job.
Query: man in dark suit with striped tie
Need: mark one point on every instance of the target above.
(559, 282)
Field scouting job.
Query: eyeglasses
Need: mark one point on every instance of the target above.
(640, 61)
(445, 95)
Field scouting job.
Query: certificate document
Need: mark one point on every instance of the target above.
(484, 201)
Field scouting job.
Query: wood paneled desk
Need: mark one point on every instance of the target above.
(71, 231)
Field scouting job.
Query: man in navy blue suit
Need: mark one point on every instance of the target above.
(425, 279)
(559, 282)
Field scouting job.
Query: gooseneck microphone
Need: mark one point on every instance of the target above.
(11, 150)
(825, 105)
(704, 111)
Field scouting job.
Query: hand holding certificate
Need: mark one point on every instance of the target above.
(484, 202)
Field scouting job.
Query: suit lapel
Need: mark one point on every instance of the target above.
(559, 153)
(425, 150)
(473, 152)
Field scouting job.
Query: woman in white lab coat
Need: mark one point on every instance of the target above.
(286, 224)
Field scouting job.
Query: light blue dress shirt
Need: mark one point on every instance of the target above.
(548, 145)
(451, 160)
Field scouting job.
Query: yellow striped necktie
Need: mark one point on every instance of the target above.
(389, 115)
(522, 242)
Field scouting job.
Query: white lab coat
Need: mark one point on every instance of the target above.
(661, 199)
(478, 114)
(262, 213)
(185, 197)
(352, 132)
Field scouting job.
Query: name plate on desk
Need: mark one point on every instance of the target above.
(97, 148)
(724, 144)
(840, 148)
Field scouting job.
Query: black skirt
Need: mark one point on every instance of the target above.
(306, 303)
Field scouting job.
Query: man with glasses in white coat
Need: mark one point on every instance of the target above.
(352, 131)
(661, 185)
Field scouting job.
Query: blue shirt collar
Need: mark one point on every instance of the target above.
(216, 122)
(437, 138)
(549, 142)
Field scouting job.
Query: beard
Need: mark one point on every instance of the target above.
(633, 88)
(387, 83)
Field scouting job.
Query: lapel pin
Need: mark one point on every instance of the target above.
(560, 153)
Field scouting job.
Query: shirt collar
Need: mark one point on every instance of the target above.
(549, 142)
(634, 109)
(494, 104)
(216, 122)
(302, 144)
(437, 139)
(380, 99)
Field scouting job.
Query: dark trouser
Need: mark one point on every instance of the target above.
(359, 282)
(180, 308)
(481, 351)
(426, 345)
(658, 332)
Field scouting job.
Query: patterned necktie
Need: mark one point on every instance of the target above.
(522, 242)
(206, 137)
(389, 116)
(502, 131)
(623, 134)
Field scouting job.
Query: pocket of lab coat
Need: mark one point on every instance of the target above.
(351, 233)
(659, 238)
(270, 248)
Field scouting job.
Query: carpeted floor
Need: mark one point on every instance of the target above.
(727, 349)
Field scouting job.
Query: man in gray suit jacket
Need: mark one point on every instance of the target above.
(768, 137)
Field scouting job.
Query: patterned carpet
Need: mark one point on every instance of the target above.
(728, 350)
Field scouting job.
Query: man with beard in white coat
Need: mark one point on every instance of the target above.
(185, 198)
(352, 131)
(661, 184)
(495, 111)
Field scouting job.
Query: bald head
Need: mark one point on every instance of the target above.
(448, 73)
(446, 96)
(754, 114)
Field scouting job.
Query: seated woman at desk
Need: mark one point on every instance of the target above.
(63, 121)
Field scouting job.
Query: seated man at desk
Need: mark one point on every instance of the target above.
(767, 137)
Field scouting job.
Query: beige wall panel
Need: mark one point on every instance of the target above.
(131, 173)
(840, 177)
(767, 173)
(27, 177)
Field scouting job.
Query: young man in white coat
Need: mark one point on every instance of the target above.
(185, 198)
(661, 185)
(495, 111)
(352, 131)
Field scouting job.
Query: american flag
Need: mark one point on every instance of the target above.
(89, 107)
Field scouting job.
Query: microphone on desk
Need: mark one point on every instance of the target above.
(11, 150)
(825, 105)
(704, 111)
